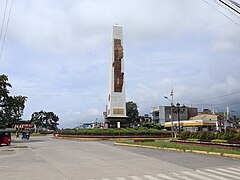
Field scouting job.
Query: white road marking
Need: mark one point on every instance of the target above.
(151, 177)
(135, 178)
(181, 176)
(228, 171)
(235, 169)
(210, 175)
(221, 173)
(197, 175)
(121, 178)
(165, 177)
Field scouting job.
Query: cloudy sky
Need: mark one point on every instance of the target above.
(57, 53)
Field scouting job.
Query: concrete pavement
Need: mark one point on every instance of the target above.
(47, 158)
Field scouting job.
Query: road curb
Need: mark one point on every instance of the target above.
(180, 150)
(101, 139)
(231, 155)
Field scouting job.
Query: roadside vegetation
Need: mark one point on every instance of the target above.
(11, 107)
(222, 137)
(168, 144)
(117, 132)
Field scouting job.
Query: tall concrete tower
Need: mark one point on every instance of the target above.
(116, 108)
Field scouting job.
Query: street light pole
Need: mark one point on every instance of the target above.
(171, 109)
(171, 94)
(177, 109)
(178, 114)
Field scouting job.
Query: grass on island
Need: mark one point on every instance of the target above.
(168, 144)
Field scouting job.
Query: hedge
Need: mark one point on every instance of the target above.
(116, 132)
(207, 135)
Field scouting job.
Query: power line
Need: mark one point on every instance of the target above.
(3, 21)
(222, 13)
(215, 97)
(231, 104)
(4, 38)
(235, 10)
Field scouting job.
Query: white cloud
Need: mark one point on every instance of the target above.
(58, 53)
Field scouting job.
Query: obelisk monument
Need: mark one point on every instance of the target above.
(116, 108)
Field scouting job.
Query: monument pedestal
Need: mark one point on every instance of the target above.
(113, 122)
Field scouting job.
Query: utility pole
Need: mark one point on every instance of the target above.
(178, 109)
(172, 112)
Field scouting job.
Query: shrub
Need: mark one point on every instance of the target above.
(195, 135)
(219, 141)
(152, 126)
(149, 140)
(185, 134)
(238, 136)
(116, 132)
(190, 139)
(203, 135)
(227, 136)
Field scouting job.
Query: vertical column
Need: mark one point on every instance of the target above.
(117, 100)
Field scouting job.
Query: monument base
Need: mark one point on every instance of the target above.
(113, 122)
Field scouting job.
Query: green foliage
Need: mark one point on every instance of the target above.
(227, 136)
(11, 107)
(150, 125)
(116, 132)
(185, 134)
(167, 144)
(149, 140)
(194, 140)
(219, 141)
(207, 135)
(235, 121)
(45, 119)
(132, 111)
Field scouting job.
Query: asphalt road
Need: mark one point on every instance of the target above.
(52, 159)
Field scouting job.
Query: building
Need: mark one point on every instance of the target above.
(162, 114)
(23, 125)
(193, 125)
(200, 122)
(220, 122)
(116, 108)
(213, 117)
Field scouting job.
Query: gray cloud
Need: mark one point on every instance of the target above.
(58, 53)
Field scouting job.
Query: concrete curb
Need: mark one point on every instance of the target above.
(101, 139)
(180, 150)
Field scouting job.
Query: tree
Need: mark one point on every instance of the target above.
(151, 125)
(11, 107)
(45, 119)
(132, 112)
(235, 121)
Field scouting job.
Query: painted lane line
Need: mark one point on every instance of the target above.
(210, 175)
(121, 178)
(223, 174)
(165, 177)
(181, 176)
(197, 175)
(235, 169)
(135, 178)
(151, 177)
(228, 171)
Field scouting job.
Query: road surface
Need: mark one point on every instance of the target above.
(44, 158)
